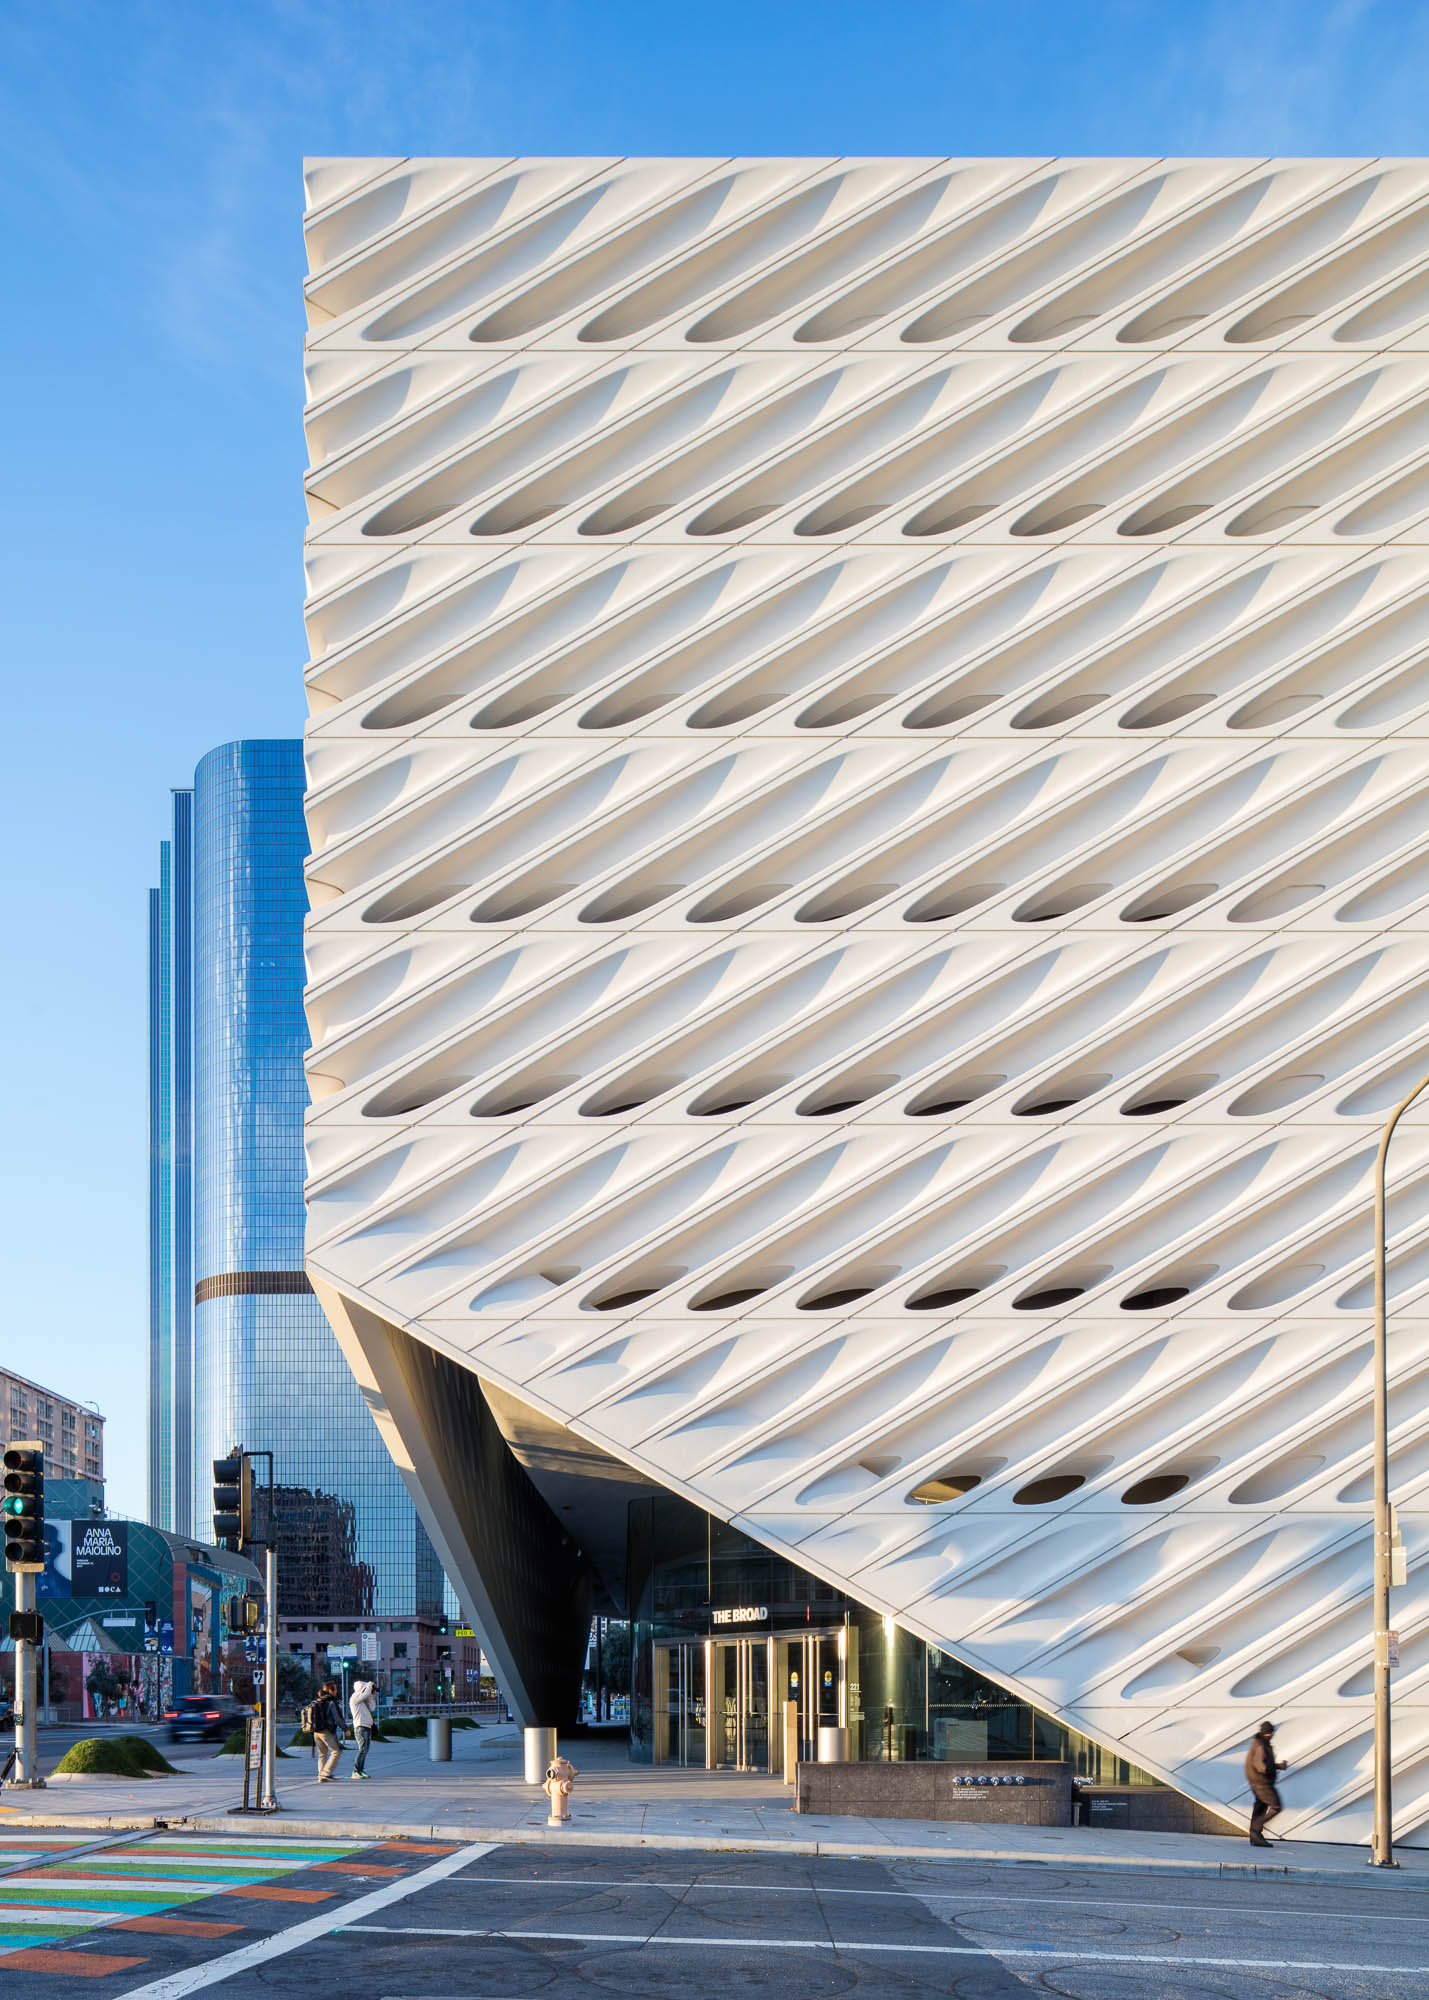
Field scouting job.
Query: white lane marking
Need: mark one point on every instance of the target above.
(40, 1913)
(1042, 1952)
(1029, 1901)
(41, 1857)
(175, 1864)
(175, 1984)
(115, 1885)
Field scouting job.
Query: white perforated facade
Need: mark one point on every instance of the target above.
(868, 805)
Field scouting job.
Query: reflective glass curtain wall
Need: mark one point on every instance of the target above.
(266, 1369)
(170, 1178)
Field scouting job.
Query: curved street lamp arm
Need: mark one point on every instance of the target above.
(1382, 1842)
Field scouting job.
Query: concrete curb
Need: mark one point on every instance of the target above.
(1355, 1872)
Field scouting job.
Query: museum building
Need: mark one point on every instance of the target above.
(868, 809)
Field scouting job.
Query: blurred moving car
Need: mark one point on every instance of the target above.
(205, 1718)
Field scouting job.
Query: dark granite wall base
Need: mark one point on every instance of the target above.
(996, 1794)
(1147, 1809)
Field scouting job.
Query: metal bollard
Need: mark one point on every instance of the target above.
(439, 1739)
(540, 1754)
(833, 1744)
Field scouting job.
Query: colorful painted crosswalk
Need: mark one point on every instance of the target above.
(56, 1887)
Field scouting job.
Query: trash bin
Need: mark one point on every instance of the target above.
(540, 1751)
(833, 1744)
(439, 1739)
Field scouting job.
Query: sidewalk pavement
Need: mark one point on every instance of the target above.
(481, 1795)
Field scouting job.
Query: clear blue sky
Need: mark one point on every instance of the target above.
(152, 435)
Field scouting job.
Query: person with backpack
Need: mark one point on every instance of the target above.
(324, 1719)
(362, 1703)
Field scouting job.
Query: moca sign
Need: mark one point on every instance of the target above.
(99, 1558)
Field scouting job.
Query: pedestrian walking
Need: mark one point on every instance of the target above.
(362, 1705)
(327, 1731)
(1261, 1771)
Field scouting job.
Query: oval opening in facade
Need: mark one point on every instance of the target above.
(945, 1486)
(941, 904)
(508, 1099)
(845, 1295)
(942, 1296)
(845, 1095)
(628, 1095)
(1051, 1295)
(1155, 1298)
(1168, 1093)
(721, 1099)
(945, 1097)
(1158, 904)
(1042, 1492)
(609, 1302)
(1158, 1486)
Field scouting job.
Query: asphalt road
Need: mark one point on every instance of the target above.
(406, 1920)
(54, 1742)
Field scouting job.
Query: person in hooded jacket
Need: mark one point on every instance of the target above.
(1261, 1771)
(362, 1706)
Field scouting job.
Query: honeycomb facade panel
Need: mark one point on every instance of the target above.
(869, 876)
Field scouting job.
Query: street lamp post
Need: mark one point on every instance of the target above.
(1382, 1842)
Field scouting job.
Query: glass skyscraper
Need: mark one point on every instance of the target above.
(170, 1178)
(240, 1350)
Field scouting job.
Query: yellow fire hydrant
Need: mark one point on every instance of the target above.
(560, 1775)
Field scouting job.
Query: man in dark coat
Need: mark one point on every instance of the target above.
(327, 1731)
(1261, 1771)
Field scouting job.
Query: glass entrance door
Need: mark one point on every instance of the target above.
(811, 1673)
(740, 1704)
(720, 1703)
(679, 1704)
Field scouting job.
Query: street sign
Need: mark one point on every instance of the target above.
(252, 1765)
(257, 1677)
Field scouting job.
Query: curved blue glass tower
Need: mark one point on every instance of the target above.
(266, 1370)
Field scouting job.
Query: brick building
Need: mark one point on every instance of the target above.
(71, 1433)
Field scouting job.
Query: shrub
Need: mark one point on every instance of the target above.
(146, 1755)
(113, 1757)
(236, 1742)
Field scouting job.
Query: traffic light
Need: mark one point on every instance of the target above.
(25, 1505)
(245, 1615)
(232, 1501)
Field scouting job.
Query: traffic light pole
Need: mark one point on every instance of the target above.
(24, 1515)
(233, 1529)
(269, 1801)
(27, 1749)
(270, 1671)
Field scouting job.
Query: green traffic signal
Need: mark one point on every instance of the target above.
(23, 1506)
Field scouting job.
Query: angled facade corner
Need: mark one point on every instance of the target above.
(521, 1577)
(867, 809)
